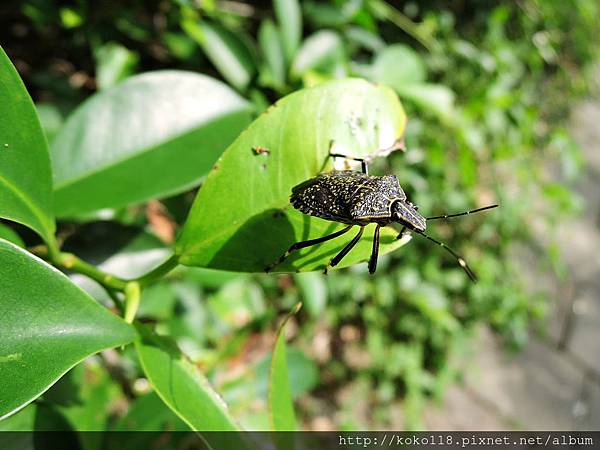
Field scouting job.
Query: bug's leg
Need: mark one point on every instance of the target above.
(459, 259)
(374, 252)
(364, 164)
(402, 233)
(337, 258)
(304, 244)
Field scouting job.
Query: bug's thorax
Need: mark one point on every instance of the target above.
(406, 214)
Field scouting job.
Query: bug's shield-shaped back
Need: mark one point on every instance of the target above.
(374, 198)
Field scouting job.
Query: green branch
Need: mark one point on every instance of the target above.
(113, 284)
(70, 261)
(158, 272)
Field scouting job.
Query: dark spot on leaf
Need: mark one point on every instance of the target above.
(258, 150)
(216, 167)
(263, 167)
(278, 214)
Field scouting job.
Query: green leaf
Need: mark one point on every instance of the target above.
(398, 65)
(320, 51)
(289, 18)
(51, 119)
(241, 219)
(153, 135)
(303, 373)
(148, 413)
(404, 70)
(97, 394)
(281, 404)
(23, 420)
(10, 235)
(181, 385)
(225, 50)
(313, 290)
(435, 98)
(272, 51)
(70, 18)
(25, 173)
(47, 326)
(364, 38)
(114, 63)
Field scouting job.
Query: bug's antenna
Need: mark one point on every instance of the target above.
(447, 216)
(461, 262)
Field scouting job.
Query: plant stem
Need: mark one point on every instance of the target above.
(71, 262)
(112, 283)
(116, 300)
(159, 271)
(403, 22)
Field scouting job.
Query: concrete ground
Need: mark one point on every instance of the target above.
(554, 383)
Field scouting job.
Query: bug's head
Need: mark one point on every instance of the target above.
(406, 214)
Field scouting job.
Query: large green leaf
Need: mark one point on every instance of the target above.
(47, 326)
(153, 135)
(241, 219)
(181, 385)
(25, 174)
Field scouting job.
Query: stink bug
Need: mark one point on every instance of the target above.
(357, 198)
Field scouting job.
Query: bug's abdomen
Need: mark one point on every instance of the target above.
(315, 198)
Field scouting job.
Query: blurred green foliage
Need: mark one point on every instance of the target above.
(488, 87)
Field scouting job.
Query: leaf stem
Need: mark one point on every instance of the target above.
(53, 247)
(131, 288)
(72, 262)
(159, 271)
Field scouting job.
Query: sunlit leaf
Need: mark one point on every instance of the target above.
(25, 173)
(153, 135)
(241, 219)
(181, 385)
